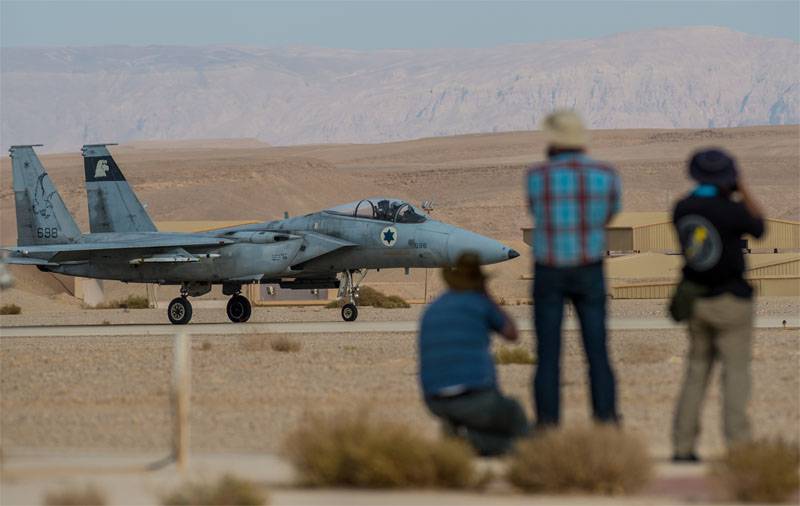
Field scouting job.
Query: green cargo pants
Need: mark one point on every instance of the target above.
(720, 328)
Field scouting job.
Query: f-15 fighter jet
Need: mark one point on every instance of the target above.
(333, 248)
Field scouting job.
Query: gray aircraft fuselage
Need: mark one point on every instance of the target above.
(411, 245)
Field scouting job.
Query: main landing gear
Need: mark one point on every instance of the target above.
(349, 289)
(179, 310)
(239, 309)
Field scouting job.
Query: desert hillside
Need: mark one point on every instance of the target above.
(698, 77)
(474, 180)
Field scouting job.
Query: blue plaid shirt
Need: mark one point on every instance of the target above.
(572, 197)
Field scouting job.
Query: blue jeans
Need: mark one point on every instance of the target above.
(585, 287)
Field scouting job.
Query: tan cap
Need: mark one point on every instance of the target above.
(564, 129)
(467, 275)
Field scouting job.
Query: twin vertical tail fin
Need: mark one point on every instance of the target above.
(42, 217)
(113, 207)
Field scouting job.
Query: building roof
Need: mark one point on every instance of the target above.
(643, 219)
(634, 220)
(658, 265)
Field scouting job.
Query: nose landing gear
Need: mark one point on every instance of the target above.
(349, 312)
(239, 309)
(349, 289)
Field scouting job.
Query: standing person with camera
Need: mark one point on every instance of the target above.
(714, 297)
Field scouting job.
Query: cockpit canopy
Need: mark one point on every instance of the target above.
(381, 208)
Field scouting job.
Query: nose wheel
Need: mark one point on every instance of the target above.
(349, 290)
(179, 311)
(239, 309)
(349, 312)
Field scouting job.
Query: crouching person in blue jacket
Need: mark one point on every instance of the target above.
(456, 366)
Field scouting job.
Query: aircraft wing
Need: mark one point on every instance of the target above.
(57, 253)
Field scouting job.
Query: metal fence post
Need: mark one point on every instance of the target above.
(181, 393)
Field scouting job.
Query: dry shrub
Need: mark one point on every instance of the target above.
(227, 491)
(368, 296)
(597, 459)
(759, 471)
(284, 344)
(513, 355)
(354, 450)
(206, 346)
(88, 495)
(10, 309)
(130, 302)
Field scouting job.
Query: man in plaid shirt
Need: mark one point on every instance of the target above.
(572, 198)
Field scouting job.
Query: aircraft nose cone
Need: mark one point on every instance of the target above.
(489, 250)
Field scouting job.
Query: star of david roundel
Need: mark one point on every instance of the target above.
(389, 236)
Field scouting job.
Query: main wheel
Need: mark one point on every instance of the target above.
(349, 312)
(179, 311)
(239, 309)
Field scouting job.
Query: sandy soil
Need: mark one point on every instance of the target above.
(101, 393)
(48, 311)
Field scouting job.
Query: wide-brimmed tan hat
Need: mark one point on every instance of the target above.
(564, 129)
(466, 275)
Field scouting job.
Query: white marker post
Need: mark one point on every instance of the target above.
(181, 392)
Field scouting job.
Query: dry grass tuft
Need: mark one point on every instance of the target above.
(131, 302)
(513, 355)
(353, 450)
(284, 344)
(368, 296)
(599, 459)
(227, 491)
(10, 309)
(763, 471)
(88, 495)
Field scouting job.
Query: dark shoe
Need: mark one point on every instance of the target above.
(689, 458)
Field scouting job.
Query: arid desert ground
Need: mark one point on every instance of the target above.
(110, 394)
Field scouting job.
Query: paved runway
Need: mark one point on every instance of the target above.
(332, 327)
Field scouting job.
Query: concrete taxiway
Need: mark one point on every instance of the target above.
(339, 327)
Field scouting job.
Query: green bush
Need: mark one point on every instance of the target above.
(763, 471)
(227, 491)
(368, 296)
(130, 302)
(10, 309)
(513, 355)
(353, 450)
(597, 460)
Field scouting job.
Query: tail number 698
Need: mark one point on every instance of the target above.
(46, 232)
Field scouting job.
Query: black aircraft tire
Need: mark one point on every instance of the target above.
(349, 312)
(239, 309)
(179, 311)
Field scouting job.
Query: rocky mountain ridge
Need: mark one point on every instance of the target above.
(701, 77)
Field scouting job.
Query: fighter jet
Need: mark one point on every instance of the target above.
(333, 248)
